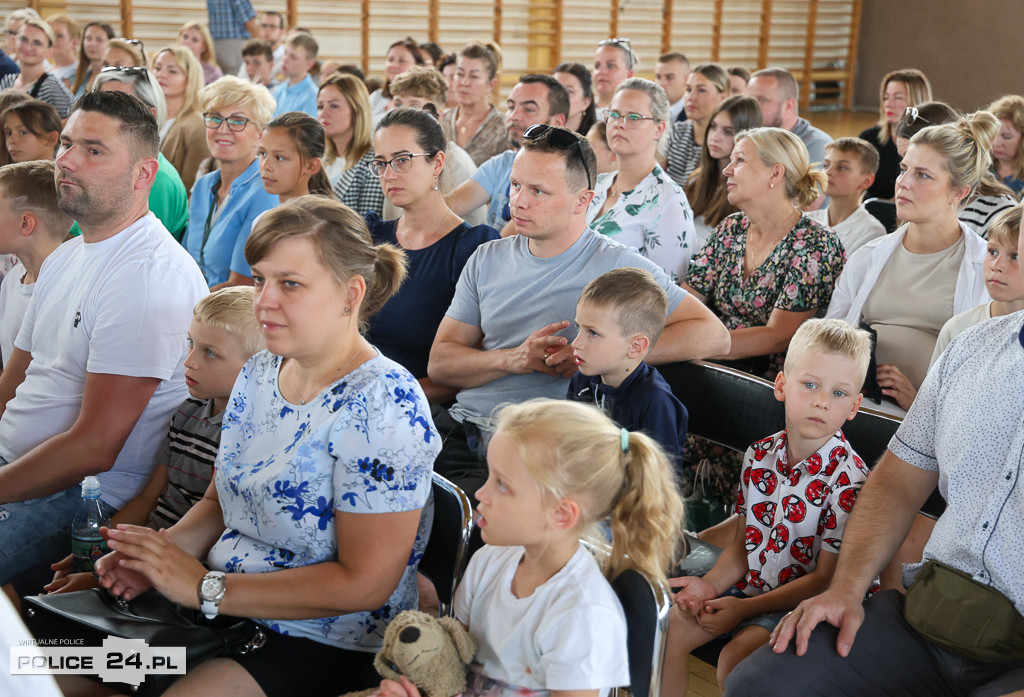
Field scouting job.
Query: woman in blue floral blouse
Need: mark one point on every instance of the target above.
(322, 474)
(765, 269)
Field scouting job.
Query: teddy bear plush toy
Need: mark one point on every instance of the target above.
(433, 653)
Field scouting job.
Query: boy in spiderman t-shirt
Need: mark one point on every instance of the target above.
(798, 488)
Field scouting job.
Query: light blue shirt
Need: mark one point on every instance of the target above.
(225, 237)
(493, 176)
(298, 97)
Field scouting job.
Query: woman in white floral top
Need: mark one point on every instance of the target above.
(313, 523)
(639, 205)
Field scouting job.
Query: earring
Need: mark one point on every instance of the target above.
(772, 185)
(435, 182)
(348, 310)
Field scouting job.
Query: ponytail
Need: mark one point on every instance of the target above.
(320, 184)
(389, 271)
(809, 187)
(646, 519)
(574, 450)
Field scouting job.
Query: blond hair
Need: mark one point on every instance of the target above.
(1005, 227)
(423, 83)
(74, 30)
(193, 71)
(832, 336)
(28, 187)
(964, 147)
(1011, 108)
(354, 91)
(342, 243)
(638, 302)
(40, 24)
(234, 91)
(777, 146)
(715, 74)
(230, 309)
(209, 55)
(919, 91)
(572, 450)
(138, 57)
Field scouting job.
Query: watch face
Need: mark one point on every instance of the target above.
(212, 587)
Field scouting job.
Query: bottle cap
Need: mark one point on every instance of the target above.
(90, 488)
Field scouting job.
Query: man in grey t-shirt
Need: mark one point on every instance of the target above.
(505, 337)
(778, 93)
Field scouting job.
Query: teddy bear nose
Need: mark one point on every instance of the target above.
(409, 635)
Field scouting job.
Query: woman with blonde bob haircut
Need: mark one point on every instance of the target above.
(183, 135)
(1008, 149)
(226, 202)
(765, 269)
(906, 285)
(295, 438)
(900, 90)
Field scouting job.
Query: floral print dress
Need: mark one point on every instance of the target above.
(366, 444)
(799, 275)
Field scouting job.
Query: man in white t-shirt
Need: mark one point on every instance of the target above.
(97, 365)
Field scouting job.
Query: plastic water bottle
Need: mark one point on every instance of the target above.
(86, 543)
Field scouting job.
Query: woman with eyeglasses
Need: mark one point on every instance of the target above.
(706, 87)
(90, 56)
(475, 123)
(343, 108)
(706, 188)
(900, 89)
(639, 205)
(904, 286)
(409, 147)
(196, 38)
(34, 40)
(227, 201)
(183, 135)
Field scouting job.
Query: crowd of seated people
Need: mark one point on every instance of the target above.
(432, 276)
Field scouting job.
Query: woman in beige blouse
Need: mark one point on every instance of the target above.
(475, 124)
(183, 136)
(905, 286)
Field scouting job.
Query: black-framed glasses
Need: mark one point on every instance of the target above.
(630, 120)
(234, 123)
(126, 69)
(561, 138)
(399, 163)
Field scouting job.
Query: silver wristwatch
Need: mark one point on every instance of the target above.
(211, 592)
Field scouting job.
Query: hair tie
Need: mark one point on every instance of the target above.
(624, 440)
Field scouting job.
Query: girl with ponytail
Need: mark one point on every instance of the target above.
(289, 156)
(312, 524)
(535, 600)
(906, 285)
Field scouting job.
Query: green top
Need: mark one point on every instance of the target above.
(168, 200)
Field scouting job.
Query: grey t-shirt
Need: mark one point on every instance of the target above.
(814, 138)
(509, 293)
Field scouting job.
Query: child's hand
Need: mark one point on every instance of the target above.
(719, 615)
(61, 569)
(72, 582)
(390, 688)
(693, 592)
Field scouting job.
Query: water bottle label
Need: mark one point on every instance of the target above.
(85, 551)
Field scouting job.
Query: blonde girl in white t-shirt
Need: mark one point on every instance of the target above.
(537, 603)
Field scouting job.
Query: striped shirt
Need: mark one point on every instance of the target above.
(189, 452)
(979, 213)
(48, 89)
(683, 154)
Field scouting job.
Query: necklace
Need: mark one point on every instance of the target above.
(341, 371)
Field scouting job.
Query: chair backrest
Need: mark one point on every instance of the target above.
(444, 559)
(884, 211)
(646, 607)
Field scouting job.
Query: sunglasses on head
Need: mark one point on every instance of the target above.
(561, 138)
(127, 70)
(911, 116)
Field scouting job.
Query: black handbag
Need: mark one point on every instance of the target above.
(92, 615)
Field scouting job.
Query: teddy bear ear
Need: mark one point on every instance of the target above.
(464, 643)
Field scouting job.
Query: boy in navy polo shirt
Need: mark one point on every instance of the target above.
(620, 316)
